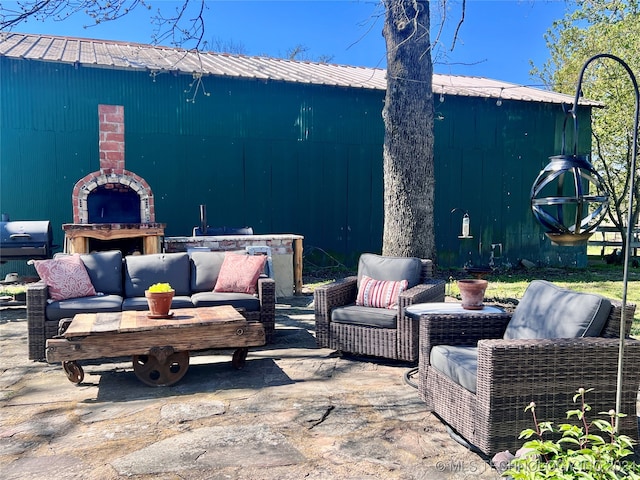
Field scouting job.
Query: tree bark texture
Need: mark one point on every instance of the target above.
(409, 181)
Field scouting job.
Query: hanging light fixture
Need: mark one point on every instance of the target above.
(568, 198)
(585, 223)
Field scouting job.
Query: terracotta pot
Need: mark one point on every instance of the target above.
(159, 302)
(472, 293)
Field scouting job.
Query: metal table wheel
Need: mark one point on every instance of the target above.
(161, 367)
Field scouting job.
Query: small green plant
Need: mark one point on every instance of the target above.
(13, 290)
(160, 288)
(591, 450)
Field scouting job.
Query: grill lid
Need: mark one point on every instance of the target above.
(25, 239)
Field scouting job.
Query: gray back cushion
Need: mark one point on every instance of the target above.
(548, 311)
(142, 271)
(105, 271)
(205, 268)
(390, 268)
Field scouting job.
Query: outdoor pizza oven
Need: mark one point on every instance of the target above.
(113, 208)
(24, 240)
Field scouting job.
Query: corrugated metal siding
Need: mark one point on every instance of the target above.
(271, 155)
(280, 157)
(486, 164)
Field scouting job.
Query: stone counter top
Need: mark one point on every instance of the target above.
(286, 253)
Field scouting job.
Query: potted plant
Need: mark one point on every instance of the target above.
(472, 293)
(159, 296)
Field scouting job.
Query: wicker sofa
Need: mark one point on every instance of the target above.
(380, 332)
(512, 372)
(121, 282)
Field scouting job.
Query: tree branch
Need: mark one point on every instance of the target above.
(455, 35)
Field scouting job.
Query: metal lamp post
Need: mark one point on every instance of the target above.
(589, 222)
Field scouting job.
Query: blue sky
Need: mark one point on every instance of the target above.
(497, 39)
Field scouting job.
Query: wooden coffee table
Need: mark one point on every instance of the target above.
(160, 347)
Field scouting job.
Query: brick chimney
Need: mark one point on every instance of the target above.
(112, 174)
(111, 140)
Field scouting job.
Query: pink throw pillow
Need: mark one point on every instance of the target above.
(239, 273)
(379, 293)
(66, 277)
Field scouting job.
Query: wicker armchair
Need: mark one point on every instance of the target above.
(513, 373)
(398, 342)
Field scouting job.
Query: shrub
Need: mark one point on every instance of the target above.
(591, 450)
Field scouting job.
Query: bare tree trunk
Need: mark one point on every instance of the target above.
(408, 144)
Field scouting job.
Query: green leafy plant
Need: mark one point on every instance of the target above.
(591, 450)
(160, 288)
(13, 290)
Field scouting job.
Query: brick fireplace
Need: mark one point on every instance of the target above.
(113, 207)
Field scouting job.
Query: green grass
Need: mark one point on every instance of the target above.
(598, 278)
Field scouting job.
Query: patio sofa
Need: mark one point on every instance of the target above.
(120, 283)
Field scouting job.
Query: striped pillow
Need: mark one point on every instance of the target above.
(379, 293)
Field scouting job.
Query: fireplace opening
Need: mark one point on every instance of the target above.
(113, 204)
(127, 246)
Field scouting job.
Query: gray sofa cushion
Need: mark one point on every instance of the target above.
(140, 303)
(205, 268)
(390, 268)
(105, 271)
(365, 316)
(249, 302)
(548, 311)
(460, 364)
(94, 304)
(142, 271)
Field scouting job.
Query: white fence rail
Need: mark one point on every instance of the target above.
(607, 236)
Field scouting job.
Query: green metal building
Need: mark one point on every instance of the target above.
(281, 146)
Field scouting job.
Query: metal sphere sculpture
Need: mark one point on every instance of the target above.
(569, 199)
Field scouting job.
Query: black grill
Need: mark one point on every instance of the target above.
(24, 240)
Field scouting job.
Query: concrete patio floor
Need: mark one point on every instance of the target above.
(294, 412)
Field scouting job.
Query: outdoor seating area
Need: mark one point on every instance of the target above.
(338, 365)
(159, 184)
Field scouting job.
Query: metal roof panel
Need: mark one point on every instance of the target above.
(123, 55)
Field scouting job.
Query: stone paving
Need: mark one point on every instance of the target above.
(294, 412)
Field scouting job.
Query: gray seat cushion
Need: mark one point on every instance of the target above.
(460, 364)
(105, 271)
(94, 304)
(142, 271)
(249, 302)
(548, 311)
(205, 268)
(390, 268)
(365, 316)
(140, 303)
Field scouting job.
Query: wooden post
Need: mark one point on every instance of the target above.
(297, 265)
(78, 245)
(151, 244)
